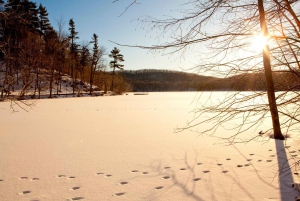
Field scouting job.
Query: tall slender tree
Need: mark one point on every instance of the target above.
(73, 50)
(268, 73)
(95, 59)
(52, 50)
(44, 22)
(117, 57)
(44, 26)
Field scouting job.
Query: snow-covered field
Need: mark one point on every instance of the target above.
(125, 148)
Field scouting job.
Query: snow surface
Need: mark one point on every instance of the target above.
(125, 148)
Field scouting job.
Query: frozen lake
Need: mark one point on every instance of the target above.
(124, 148)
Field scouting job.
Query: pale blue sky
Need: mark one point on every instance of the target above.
(102, 17)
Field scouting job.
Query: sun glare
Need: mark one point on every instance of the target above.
(259, 42)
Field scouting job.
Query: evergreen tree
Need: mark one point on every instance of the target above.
(95, 59)
(73, 35)
(73, 49)
(52, 50)
(43, 19)
(30, 14)
(117, 57)
(44, 26)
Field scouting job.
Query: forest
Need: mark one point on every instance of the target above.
(34, 57)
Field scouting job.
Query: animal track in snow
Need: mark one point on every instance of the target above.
(270, 149)
(25, 192)
(75, 188)
(199, 163)
(206, 171)
(158, 188)
(123, 182)
(228, 159)
(259, 161)
(182, 169)
(35, 179)
(108, 175)
(134, 171)
(119, 194)
(251, 154)
(239, 165)
(249, 159)
(166, 177)
(144, 172)
(224, 171)
(197, 179)
(77, 198)
(219, 164)
(269, 161)
(61, 175)
(23, 178)
(72, 177)
(167, 167)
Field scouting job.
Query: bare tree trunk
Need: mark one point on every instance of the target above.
(58, 80)
(91, 78)
(37, 81)
(112, 81)
(73, 78)
(39, 88)
(268, 75)
(51, 77)
(5, 80)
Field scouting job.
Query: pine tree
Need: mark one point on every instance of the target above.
(44, 26)
(44, 22)
(95, 60)
(52, 49)
(73, 35)
(117, 57)
(73, 49)
(30, 14)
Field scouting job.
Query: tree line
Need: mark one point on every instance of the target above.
(35, 56)
(163, 80)
(169, 80)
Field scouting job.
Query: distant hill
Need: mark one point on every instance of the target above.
(166, 80)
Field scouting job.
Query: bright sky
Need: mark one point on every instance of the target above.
(102, 17)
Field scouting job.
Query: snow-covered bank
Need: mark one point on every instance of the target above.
(124, 148)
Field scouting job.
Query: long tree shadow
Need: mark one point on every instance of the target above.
(285, 174)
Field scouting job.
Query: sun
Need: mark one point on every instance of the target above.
(259, 42)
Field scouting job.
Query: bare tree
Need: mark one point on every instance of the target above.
(226, 50)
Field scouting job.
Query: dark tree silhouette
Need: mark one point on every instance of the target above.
(95, 60)
(117, 57)
(73, 50)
